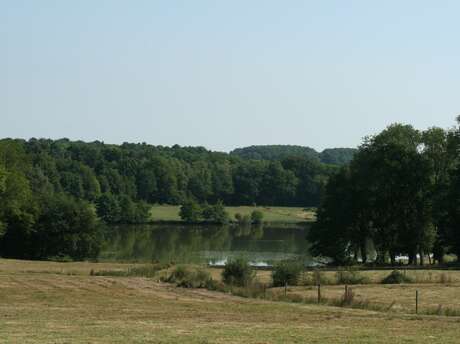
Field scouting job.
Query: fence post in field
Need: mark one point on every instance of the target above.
(285, 288)
(265, 290)
(416, 301)
(346, 292)
(319, 292)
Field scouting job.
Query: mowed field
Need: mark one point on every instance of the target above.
(43, 302)
(271, 214)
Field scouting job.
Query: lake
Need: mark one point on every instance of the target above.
(261, 245)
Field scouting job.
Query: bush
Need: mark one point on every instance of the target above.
(397, 277)
(351, 277)
(286, 272)
(183, 277)
(257, 217)
(238, 272)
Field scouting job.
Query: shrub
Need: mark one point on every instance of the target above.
(238, 272)
(257, 217)
(183, 277)
(286, 272)
(396, 277)
(351, 277)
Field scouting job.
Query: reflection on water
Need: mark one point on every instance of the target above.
(261, 245)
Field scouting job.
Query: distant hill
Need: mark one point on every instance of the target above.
(334, 156)
(337, 156)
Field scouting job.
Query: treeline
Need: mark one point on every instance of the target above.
(334, 156)
(55, 195)
(171, 175)
(400, 195)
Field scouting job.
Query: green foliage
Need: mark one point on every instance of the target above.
(243, 219)
(393, 194)
(190, 278)
(165, 175)
(337, 156)
(397, 277)
(257, 217)
(215, 213)
(238, 272)
(122, 209)
(66, 227)
(286, 272)
(190, 211)
(108, 208)
(275, 152)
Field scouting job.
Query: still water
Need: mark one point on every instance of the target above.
(261, 245)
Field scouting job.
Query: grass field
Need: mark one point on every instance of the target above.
(271, 214)
(44, 302)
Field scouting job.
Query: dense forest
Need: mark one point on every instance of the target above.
(400, 195)
(335, 156)
(55, 194)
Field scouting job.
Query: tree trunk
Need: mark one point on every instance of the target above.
(393, 258)
(363, 251)
(411, 259)
(422, 261)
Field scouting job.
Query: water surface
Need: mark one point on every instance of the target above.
(261, 245)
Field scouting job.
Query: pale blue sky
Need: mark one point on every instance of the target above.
(226, 74)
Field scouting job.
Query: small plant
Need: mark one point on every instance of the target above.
(238, 272)
(286, 272)
(397, 277)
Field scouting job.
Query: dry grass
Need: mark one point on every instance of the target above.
(40, 304)
(400, 297)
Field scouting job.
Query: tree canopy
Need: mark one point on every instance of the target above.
(399, 193)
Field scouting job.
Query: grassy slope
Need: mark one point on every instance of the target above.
(40, 303)
(271, 214)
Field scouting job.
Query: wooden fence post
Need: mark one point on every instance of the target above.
(319, 292)
(416, 301)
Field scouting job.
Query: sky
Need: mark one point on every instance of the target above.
(227, 74)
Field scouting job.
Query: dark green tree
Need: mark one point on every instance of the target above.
(190, 211)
